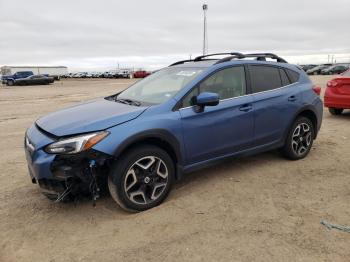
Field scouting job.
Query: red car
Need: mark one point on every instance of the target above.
(337, 96)
(141, 74)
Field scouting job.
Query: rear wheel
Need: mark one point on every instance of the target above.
(142, 178)
(299, 140)
(335, 111)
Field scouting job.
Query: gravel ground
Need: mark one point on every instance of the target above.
(260, 208)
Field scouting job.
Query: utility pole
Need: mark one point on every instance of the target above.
(205, 34)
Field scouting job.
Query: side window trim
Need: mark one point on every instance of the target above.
(248, 82)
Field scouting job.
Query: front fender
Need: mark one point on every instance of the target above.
(161, 134)
(122, 136)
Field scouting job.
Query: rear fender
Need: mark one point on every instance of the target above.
(310, 108)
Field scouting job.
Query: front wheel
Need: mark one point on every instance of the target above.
(10, 83)
(335, 111)
(299, 140)
(142, 178)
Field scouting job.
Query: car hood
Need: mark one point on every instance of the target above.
(87, 117)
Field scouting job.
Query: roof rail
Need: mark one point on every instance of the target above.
(181, 62)
(268, 55)
(234, 55)
(258, 56)
(200, 58)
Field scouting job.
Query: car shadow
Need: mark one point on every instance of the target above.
(189, 182)
(233, 165)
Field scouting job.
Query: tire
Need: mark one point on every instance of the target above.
(335, 111)
(142, 178)
(315, 73)
(300, 139)
(10, 83)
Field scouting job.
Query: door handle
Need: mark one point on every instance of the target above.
(246, 108)
(292, 98)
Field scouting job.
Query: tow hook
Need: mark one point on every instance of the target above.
(94, 189)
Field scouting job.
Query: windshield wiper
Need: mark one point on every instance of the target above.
(128, 102)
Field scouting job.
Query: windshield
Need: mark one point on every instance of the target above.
(160, 86)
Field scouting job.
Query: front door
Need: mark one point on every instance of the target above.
(223, 129)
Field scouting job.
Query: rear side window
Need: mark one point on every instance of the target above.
(264, 78)
(284, 78)
(293, 76)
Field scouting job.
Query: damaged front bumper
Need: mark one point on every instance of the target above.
(63, 176)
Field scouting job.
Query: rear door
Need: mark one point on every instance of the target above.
(276, 96)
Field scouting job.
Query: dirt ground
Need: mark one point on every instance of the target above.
(261, 208)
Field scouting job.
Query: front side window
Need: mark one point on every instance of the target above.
(227, 83)
(160, 86)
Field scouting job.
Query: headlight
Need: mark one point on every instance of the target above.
(76, 144)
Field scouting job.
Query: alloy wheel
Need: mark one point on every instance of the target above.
(146, 180)
(301, 139)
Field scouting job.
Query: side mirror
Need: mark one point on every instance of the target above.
(206, 99)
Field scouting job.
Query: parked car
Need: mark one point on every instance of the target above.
(55, 77)
(317, 70)
(113, 74)
(123, 74)
(80, 75)
(69, 75)
(179, 119)
(11, 79)
(110, 74)
(32, 80)
(307, 67)
(141, 74)
(334, 70)
(96, 74)
(337, 95)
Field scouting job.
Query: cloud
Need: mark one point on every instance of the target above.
(99, 34)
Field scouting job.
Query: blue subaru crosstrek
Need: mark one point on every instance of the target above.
(181, 118)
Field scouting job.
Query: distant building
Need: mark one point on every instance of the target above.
(37, 70)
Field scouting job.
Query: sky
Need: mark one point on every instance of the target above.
(88, 35)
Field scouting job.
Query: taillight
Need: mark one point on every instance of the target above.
(332, 83)
(317, 90)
